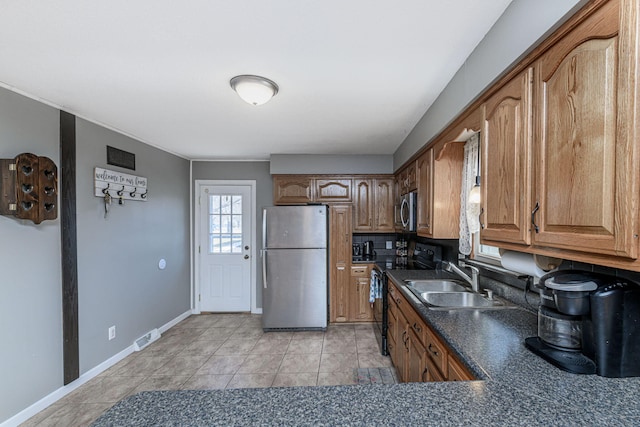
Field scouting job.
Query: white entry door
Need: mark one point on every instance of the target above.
(225, 252)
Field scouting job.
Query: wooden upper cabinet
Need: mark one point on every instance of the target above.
(373, 205)
(384, 205)
(586, 192)
(397, 200)
(407, 179)
(506, 158)
(411, 177)
(424, 178)
(363, 194)
(439, 173)
(292, 189)
(332, 190)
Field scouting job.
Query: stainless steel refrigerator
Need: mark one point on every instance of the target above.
(294, 267)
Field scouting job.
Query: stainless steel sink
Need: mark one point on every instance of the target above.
(457, 299)
(435, 285)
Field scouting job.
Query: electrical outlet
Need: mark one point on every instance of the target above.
(389, 244)
(112, 332)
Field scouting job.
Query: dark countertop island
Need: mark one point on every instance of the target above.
(515, 387)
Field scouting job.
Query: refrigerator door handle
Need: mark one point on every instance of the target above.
(264, 267)
(264, 228)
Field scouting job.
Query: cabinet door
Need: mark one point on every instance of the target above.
(392, 332)
(292, 190)
(332, 190)
(397, 197)
(445, 188)
(384, 205)
(363, 205)
(457, 372)
(433, 374)
(360, 308)
(340, 262)
(417, 359)
(424, 171)
(585, 169)
(411, 177)
(506, 159)
(402, 347)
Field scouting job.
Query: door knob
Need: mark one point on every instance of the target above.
(246, 248)
(246, 257)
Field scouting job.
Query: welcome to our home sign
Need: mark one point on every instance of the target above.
(119, 185)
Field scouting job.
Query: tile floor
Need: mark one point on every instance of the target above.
(217, 351)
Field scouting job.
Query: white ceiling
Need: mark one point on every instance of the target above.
(355, 76)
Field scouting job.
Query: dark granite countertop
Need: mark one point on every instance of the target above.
(515, 387)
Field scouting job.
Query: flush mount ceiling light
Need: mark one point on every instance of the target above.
(254, 90)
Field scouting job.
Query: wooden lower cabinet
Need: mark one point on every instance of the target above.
(432, 373)
(417, 363)
(416, 351)
(402, 348)
(392, 331)
(360, 309)
(457, 372)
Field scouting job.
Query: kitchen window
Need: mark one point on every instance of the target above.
(485, 253)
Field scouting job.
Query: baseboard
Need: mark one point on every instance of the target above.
(170, 324)
(58, 394)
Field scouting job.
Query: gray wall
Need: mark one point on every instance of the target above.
(330, 164)
(523, 23)
(258, 171)
(119, 280)
(30, 284)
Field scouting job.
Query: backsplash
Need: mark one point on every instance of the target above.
(379, 242)
(509, 286)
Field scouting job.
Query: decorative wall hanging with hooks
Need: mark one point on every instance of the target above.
(29, 188)
(118, 186)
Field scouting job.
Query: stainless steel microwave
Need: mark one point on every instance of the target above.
(409, 211)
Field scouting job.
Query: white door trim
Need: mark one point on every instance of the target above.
(199, 183)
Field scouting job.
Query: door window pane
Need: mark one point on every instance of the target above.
(225, 224)
(225, 204)
(214, 204)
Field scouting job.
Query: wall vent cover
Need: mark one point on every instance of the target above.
(146, 339)
(121, 158)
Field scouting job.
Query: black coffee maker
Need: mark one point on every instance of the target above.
(367, 249)
(588, 324)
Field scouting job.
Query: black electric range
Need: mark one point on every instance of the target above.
(426, 257)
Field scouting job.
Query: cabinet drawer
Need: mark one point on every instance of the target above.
(437, 352)
(359, 270)
(398, 298)
(416, 324)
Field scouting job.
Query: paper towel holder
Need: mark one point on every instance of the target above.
(543, 262)
(547, 263)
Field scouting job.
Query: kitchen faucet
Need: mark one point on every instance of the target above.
(473, 280)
